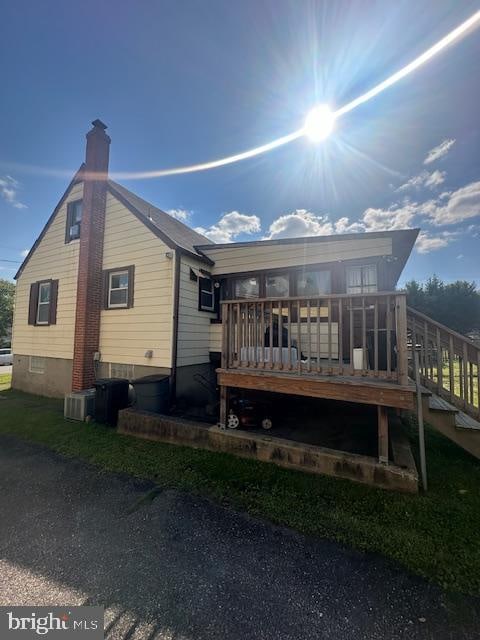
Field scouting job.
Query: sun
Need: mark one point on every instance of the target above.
(319, 123)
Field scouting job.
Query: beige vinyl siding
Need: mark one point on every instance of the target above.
(126, 334)
(257, 257)
(215, 338)
(52, 259)
(193, 325)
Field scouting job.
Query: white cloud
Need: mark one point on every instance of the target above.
(180, 214)
(460, 256)
(9, 190)
(24, 253)
(427, 243)
(230, 226)
(424, 179)
(460, 205)
(303, 223)
(395, 217)
(438, 152)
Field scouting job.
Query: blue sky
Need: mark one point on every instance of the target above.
(180, 82)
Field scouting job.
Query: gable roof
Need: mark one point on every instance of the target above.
(174, 233)
(78, 177)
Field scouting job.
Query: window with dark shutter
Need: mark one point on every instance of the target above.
(74, 220)
(42, 308)
(206, 294)
(118, 288)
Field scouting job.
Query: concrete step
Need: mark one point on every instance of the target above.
(435, 403)
(464, 421)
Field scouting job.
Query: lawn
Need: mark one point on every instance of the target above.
(434, 535)
(5, 381)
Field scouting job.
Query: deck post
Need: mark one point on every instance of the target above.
(223, 407)
(402, 353)
(382, 414)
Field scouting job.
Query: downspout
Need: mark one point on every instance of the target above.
(176, 301)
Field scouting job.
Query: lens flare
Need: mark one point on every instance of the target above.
(318, 125)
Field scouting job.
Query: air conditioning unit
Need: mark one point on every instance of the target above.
(79, 405)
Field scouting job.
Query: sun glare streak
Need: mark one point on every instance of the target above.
(306, 130)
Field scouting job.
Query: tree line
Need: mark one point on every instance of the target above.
(454, 304)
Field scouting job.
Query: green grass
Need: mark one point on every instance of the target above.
(456, 380)
(5, 381)
(436, 535)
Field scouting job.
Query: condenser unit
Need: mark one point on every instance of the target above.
(79, 405)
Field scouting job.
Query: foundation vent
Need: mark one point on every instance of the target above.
(79, 405)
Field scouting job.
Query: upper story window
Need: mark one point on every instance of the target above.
(118, 285)
(313, 283)
(74, 220)
(247, 287)
(42, 308)
(362, 279)
(206, 291)
(277, 286)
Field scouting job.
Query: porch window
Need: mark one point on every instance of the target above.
(313, 283)
(118, 288)
(74, 220)
(206, 294)
(43, 308)
(362, 279)
(247, 287)
(277, 286)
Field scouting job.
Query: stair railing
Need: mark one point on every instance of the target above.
(449, 363)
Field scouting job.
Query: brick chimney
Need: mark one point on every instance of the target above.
(89, 287)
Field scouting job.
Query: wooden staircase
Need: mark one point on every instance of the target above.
(449, 368)
(451, 422)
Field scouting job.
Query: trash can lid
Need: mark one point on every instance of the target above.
(110, 381)
(156, 377)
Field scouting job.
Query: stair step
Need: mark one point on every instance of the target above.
(464, 421)
(435, 403)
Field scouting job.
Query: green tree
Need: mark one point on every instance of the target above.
(7, 294)
(456, 305)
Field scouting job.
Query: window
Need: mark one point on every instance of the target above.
(43, 308)
(313, 283)
(206, 294)
(362, 279)
(122, 370)
(118, 288)
(277, 286)
(74, 220)
(247, 287)
(36, 364)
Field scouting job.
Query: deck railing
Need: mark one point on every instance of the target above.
(338, 334)
(449, 362)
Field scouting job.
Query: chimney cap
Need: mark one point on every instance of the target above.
(99, 124)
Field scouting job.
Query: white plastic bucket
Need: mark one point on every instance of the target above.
(358, 359)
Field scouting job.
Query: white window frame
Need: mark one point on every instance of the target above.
(71, 221)
(43, 304)
(364, 288)
(120, 370)
(210, 292)
(111, 274)
(36, 364)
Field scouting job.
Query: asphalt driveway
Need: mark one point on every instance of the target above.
(177, 566)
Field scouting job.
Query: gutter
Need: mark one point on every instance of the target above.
(176, 302)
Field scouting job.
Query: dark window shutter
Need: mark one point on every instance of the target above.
(33, 303)
(131, 283)
(53, 302)
(69, 222)
(105, 289)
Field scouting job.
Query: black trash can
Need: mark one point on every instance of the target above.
(111, 395)
(152, 393)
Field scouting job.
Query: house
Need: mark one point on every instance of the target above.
(115, 287)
